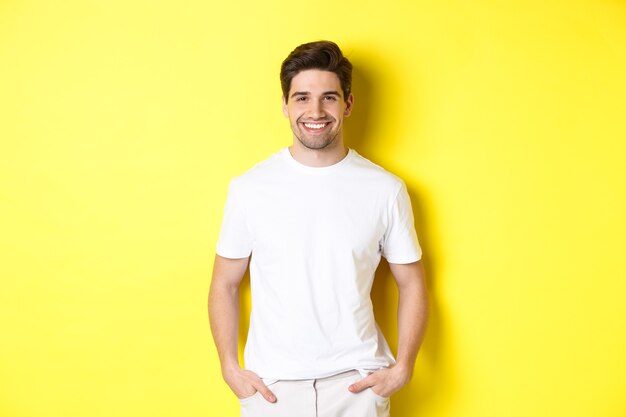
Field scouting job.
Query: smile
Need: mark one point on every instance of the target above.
(315, 126)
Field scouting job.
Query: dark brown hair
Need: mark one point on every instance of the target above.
(322, 55)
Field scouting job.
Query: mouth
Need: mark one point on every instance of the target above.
(315, 127)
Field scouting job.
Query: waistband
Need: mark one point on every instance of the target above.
(347, 374)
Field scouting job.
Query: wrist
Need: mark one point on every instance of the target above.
(230, 366)
(405, 369)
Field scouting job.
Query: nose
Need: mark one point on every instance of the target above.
(317, 109)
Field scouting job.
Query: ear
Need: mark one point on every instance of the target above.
(285, 108)
(349, 104)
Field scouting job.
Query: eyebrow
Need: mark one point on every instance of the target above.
(306, 93)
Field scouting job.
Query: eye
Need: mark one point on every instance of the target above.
(330, 98)
(301, 98)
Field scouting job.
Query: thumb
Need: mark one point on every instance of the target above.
(265, 392)
(360, 385)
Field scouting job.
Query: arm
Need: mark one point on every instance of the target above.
(412, 317)
(224, 318)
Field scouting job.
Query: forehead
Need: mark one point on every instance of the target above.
(315, 80)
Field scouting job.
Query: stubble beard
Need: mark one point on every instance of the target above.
(314, 142)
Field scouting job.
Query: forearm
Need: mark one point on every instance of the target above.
(412, 315)
(412, 319)
(224, 308)
(412, 312)
(224, 319)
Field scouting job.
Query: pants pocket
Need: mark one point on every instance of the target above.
(378, 397)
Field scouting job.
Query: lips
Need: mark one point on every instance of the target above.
(315, 126)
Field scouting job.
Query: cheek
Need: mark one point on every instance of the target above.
(335, 110)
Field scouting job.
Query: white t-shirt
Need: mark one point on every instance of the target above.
(316, 236)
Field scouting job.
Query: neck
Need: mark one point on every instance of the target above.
(318, 157)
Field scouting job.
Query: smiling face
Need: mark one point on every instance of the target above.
(316, 108)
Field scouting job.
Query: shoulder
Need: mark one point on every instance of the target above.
(375, 175)
(259, 172)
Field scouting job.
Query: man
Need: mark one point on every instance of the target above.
(315, 218)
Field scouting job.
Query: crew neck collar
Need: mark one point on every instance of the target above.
(317, 170)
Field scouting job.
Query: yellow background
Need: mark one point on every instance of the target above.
(122, 122)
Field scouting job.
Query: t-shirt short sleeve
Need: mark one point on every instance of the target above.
(400, 245)
(235, 239)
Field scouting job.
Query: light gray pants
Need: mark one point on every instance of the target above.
(325, 397)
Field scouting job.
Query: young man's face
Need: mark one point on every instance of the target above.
(316, 108)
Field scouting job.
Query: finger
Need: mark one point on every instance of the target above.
(249, 392)
(265, 392)
(361, 384)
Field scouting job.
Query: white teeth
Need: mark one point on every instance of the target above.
(315, 125)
